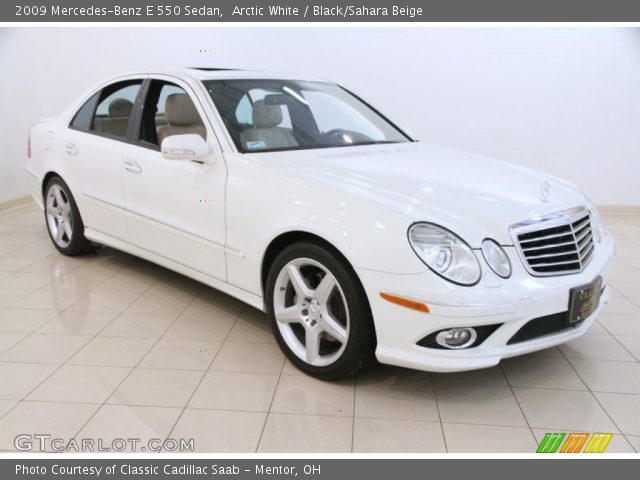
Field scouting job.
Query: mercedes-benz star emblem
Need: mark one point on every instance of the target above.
(545, 188)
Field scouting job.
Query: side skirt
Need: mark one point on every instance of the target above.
(242, 295)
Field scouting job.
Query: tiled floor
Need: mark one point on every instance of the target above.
(108, 346)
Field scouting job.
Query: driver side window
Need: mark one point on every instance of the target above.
(168, 110)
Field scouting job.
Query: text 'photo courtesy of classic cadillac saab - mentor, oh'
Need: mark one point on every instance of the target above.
(297, 197)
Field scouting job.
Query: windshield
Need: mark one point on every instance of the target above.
(270, 115)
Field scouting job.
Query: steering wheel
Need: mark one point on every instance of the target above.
(337, 136)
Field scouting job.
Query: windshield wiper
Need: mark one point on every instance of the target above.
(372, 142)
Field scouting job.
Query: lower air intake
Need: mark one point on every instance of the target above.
(538, 327)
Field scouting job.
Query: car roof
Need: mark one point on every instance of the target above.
(214, 73)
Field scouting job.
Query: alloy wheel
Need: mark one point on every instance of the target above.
(59, 217)
(311, 312)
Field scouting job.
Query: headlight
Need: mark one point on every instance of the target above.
(496, 258)
(445, 253)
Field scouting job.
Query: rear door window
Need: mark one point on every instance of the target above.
(108, 112)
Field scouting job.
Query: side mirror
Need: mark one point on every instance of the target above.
(408, 131)
(190, 147)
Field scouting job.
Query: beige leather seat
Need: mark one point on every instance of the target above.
(119, 113)
(265, 133)
(182, 118)
(117, 122)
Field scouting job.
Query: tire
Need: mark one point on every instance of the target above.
(63, 220)
(325, 307)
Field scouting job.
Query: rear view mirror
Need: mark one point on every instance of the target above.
(190, 147)
(277, 99)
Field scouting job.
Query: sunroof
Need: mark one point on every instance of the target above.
(212, 69)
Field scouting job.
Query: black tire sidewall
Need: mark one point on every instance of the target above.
(361, 342)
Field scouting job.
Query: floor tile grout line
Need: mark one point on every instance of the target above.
(617, 314)
(594, 396)
(85, 262)
(615, 337)
(99, 365)
(88, 292)
(627, 263)
(536, 387)
(435, 398)
(81, 261)
(30, 290)
(53, 372)
(131, 369)
(239, 372)
(25, 246)
(389, 419)
(29, 204)
(513, 392)
(557, 389)
(273, 397)
(60, 366)
(633, 447)
(205, 372)
(634, 300)
(118, 314)
(48, 376)
(13, 344)
(59, 313)
(603, 360)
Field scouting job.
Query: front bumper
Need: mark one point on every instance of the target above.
(512, 303)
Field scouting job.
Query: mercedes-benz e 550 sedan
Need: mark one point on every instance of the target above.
(297, 197)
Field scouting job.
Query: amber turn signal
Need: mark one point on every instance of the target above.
(405, 302)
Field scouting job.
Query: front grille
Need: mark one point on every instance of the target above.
(557, 244)
(542, 326)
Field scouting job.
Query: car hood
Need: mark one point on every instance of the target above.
(474, 196)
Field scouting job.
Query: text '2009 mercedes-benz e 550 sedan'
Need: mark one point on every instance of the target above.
(298, 198)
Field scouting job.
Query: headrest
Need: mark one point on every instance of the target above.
(266, 116)
(120, 107)
(180, 110)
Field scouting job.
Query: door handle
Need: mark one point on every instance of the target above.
(71, 149)
(132, 166)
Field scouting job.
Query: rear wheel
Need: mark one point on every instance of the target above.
(319, 312)
(63, 220)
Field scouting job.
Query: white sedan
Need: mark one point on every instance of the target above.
(300, 199)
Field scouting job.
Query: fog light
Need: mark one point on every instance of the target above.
(456, 338)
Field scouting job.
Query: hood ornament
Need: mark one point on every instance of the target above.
(545, 189)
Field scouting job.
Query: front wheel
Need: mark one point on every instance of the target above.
(319, 312)
(63, 219)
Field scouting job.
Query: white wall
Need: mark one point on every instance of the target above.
(565, 100)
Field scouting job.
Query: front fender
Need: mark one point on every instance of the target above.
(266, 200)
